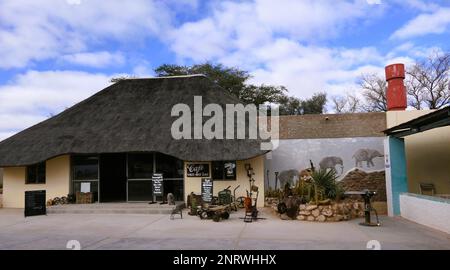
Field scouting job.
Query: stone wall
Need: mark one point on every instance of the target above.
(334, 212)
(358, 180)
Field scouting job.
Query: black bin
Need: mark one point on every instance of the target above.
(35, 203)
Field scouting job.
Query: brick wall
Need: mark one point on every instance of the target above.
(332, 125)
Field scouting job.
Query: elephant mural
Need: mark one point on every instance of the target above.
(331, 163)
(288, 176)
(366, 155)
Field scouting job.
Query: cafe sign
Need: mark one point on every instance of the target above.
(197, 170)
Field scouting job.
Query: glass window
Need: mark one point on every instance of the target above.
(36, 174)
(175, 187)
(224, 170)
(140, 190)
(140, 166)
(85, 167)
(169, 166)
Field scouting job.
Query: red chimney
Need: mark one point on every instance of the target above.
(396, 92)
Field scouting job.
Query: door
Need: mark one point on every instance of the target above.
(113, 178)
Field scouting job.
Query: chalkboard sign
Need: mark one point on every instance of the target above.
(224, 170)
(207, 189)
(35, 203)
(158, 188)
(197, 170)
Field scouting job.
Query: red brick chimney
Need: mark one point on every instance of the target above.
(396, 91)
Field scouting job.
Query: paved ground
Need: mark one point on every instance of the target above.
(112, 231)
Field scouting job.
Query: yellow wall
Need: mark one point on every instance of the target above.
(427, 153)
(193, 184)
(56, 184)
(394, 118)
(428, 159)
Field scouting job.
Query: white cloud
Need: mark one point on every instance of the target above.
(276, 41)
(308, 69)
(95, 59)
(309, 19)
(240, 26)
(427, 23)
(421, 5)
(143, 70)
(39, 30)
(31, 97)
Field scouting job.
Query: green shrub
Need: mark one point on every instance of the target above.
(273, 193)
(304, 190)
(325, 184)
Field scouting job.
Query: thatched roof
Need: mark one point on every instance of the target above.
(129, 116)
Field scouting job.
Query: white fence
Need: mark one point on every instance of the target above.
(426, 210)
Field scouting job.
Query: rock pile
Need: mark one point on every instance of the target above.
(344, 210)
(333, 212)
(358, 180)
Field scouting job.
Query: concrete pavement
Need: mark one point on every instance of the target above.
(114, 231)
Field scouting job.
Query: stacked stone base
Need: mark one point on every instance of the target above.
(336, 211)
(331, 213)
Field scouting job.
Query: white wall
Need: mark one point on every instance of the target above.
(425, 210)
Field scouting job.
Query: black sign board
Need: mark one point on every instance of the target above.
(224, 170)
(229, 170)
(197, 170)
(207, 189)
(35, 203)
(158, 188)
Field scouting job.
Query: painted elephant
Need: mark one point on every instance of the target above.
(366, 155)
(288, 176)
(331, 163)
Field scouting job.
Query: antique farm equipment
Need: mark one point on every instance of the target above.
(194, 203)
(250, 204)
(237, 202)
(214, 212)
(367, 196)
(224, 196)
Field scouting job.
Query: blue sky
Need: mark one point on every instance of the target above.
(54, 53)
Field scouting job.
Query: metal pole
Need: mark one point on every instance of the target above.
(276, 180)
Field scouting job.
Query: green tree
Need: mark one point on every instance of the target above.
(315, 104)
(295, 106)
(233, 80)
(290, 106)
(262, 94)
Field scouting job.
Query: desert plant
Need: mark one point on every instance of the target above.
(304, 190)
(325, 184)
(273, 193)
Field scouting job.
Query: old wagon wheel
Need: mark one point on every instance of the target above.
(240, 202)
(216, 217)
(225, 215)
(203, 215)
